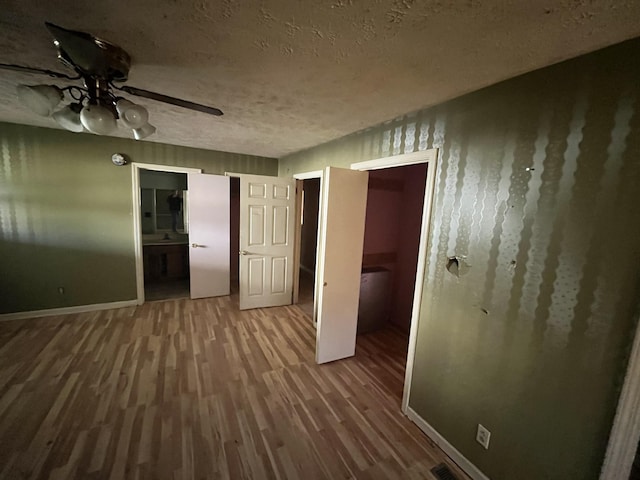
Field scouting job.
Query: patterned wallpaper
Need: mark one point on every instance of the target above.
(536, 197)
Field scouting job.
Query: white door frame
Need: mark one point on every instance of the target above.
(625, 433)
(309, 175)
(137, 217)
(430, 158)
(296, 272)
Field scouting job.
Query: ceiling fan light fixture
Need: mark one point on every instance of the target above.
(97, 64)
(144, 131)
(132, 115)
(98, 119)
(42, 99)
(69, 118)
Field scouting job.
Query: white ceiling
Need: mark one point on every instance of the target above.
(293, 74)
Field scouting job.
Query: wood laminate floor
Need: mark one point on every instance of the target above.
(195, 389)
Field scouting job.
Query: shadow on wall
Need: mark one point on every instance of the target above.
(61, 191)
(55, 277)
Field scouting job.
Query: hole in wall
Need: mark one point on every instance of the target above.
(457, 265)
(453, 266)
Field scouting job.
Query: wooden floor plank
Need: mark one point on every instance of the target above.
(196, 389)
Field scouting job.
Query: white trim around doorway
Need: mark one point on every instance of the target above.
(625, 433)
(137, 218)
(423, 156)
(429, 157)
(309, 175)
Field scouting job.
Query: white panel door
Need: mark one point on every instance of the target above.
(209, 233)
(267, 209)
(344, 205)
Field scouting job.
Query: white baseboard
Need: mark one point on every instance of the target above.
(468, 467)
(66, 310)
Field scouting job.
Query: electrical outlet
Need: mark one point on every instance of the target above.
(483, 436)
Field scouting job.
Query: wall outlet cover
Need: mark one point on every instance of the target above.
(483, 436)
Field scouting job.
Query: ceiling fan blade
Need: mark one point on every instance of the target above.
(40, 71)
(171, 100)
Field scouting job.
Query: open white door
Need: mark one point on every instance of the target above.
(267, 209)
(209, 231)
(341, 230)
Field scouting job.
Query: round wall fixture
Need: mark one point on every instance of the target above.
(118, 159)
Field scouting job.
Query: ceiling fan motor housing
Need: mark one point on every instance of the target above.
(116, 63)
(89, 55)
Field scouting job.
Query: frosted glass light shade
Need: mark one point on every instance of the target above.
(132, 115)
(144, 131)
(69, 118)
(98, 119)
(42, 99)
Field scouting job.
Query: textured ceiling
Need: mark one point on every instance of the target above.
(293, 74)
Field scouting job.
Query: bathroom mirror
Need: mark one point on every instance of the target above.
(156, 213)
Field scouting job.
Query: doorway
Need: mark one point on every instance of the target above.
(152, 222)
(308, 244)
(429, 159)
(307, 238)
(393, 222)
(214, 227)
(340, 255)
(165, 234)
(234, 240)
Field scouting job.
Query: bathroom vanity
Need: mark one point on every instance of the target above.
(165, 259)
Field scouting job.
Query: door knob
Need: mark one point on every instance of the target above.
(195, 245)
(244, 252)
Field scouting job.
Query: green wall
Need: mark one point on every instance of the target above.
(66, 215)
(537, 190)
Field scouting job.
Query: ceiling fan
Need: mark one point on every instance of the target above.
(96, 105)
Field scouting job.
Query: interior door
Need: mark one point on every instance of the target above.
(341, 230)
(209, 232)
(267, 209)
